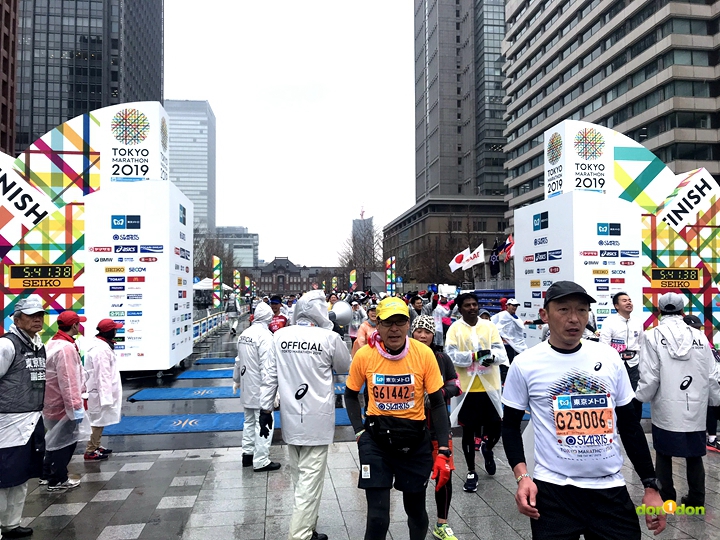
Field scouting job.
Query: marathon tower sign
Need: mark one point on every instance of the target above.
(89, 222)
(676, 215)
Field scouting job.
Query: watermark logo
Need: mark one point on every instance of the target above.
(670, 507)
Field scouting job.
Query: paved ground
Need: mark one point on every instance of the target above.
(193, 487)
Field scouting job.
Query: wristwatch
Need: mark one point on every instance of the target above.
(446, 453)
(653, 483)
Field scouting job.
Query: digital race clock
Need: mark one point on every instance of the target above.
(675, 278)
(40, 276)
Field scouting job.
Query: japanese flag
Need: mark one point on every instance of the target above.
(459, 260)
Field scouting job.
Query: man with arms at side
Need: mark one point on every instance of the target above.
(63, 411)
(301, 371)
(677, 371)
(255, 351)
(624, 334)
(475, 347)
(279, 320)
(579, 397)
(22, 433)
(394, 445)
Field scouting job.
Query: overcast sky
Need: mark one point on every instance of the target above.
(314, 103)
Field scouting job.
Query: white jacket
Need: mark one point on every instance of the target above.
(621, 334)
(511, 330)
(104, 387)
(302, 372)
(677, 374)
(255, 346)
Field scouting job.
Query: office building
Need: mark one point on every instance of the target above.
(645, 68)
(8, 43)
(244, 245)
(459, 182)
(76, 56)
(192, 156)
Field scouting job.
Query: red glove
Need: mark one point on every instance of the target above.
(441, 471)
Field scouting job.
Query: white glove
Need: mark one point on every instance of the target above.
(236, 387)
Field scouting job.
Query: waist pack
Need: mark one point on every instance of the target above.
(627, 355)
(395, 434)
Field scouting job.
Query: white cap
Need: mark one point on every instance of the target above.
(30, 305)
(513, 302)
(671, 302)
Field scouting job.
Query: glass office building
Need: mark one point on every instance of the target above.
(75, 56)
(192, 156)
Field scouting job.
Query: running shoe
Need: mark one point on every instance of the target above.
(104, 451)
(471, 482)
(67, 485)
(318, 536)
(713, 446)
(444, 532)
(95, 456)
(43, 482)
(490, 466)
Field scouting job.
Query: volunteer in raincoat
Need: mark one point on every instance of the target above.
(63, 411)
(475, 347)
(678, 378)
(301, 371)
(367, 328)
(104, 388)
(255, 348)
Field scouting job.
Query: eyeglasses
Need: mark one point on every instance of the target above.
(388, 324)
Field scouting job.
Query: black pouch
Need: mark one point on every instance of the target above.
(627, 355)
(395, 434)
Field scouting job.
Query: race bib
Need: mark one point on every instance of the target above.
(394, 392)
(583, 419)
(618, 344)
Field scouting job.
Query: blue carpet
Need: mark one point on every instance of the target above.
(205, 392)
(207, 374)
(193, 423)
(214, 361)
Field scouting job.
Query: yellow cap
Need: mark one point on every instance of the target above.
(392, 306)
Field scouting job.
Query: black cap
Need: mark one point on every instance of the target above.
(560, 289)
(692, 320)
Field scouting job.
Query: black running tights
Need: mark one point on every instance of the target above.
(443, 496)
(378, 516)
(491, 430)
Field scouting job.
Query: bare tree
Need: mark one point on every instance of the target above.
(206, 245)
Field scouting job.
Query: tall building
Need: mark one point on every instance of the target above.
(459, 175)
(75, 56)
(245, 245)
(192, 156)
(8, 43)
(645, 68)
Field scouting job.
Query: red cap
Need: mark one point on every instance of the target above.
(108, 324)
(68, 318)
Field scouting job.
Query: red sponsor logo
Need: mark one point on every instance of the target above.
(627, 263)
(103, 249)
(554, 269)
(617, 280)
(184, 294)
(177, 251)
(136, 279)
(589, 253)
(148, 259)
(529, 258)
(187, 269)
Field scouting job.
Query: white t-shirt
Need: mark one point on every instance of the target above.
(572, 400)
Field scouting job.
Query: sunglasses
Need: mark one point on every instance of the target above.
(389, 324)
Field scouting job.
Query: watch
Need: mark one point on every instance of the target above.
(653, 483)
(446, 453)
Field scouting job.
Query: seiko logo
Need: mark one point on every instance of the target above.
(535, 283)
(114, 269)
(600, 272)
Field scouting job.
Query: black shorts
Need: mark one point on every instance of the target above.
(566, 512)
(477, 411)
(411, 470)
